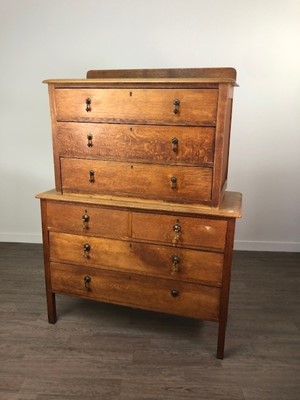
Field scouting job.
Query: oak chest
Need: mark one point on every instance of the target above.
(140, 216)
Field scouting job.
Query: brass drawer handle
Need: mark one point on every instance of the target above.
(86, 250)
(176, 104)
(87, 280)
(174, 293)
(85, 220)
(90, 140)
(177, 230)
(173, 183)
(175, 261)
(92, 176)
(175, 145)
(88, 103)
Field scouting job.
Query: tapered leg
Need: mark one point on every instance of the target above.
(224, 298)
(221, 339)
(51, 307)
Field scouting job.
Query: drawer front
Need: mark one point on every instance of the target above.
(151, 106)
(165, 182)
(145, 259)
(88, 220)
(187, 145)
(181, 231)
(165, 295)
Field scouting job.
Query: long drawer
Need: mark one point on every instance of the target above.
(145, 259)
(160, 144)
(151, 106)
(165, 295)
(164, 182)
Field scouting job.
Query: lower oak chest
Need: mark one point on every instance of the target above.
(152, 255)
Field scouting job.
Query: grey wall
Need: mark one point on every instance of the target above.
(64, 38)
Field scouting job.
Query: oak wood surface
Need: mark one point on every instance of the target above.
(136, 180)
(136, 290)
(206, 73)
(146, 98)
(104, 222)
(231, 206)
(201, 232)
(145, 259)
(151, 106)
(195, 145)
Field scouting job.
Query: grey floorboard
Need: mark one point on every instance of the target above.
(102, 351)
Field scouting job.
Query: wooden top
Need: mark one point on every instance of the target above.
(230, 207)
(189, 76)
(206, 73)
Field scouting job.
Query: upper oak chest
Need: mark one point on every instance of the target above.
(164, 137)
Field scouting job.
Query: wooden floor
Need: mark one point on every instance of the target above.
(100, 351)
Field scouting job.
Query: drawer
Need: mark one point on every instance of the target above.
(160, 144)
(165, 295)
(151, 106)
(181, 231)
(164, 182)
(145, 259)
(88, 220)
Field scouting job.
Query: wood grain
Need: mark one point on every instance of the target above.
(137, 143)
(231, 206)
(195, 232)
(137, 291)
(151, 106)
(104, 222)
(217, 73)
(144, 259)
(146, 181)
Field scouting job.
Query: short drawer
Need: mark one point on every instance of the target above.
(164, 295)
(88, 220)
(145, 259)
(181, 231)
(151, 106)
(160, 144)
(163, 182)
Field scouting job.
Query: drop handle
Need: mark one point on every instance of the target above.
(85, 221)
(87, 280)
(173, 183)
(176, 230)
(92, 176)
(88, 103)
(175, 262)
(86, 250)
(176, 104)
(90, 140)
(175, 145)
